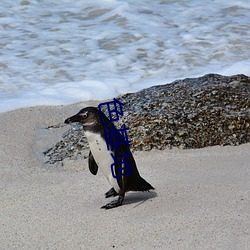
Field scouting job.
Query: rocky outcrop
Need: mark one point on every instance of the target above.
(190, 113)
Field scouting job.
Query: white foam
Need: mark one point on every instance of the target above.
(61, 52)
(242, 67)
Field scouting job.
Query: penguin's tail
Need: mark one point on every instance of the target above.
(142, 185)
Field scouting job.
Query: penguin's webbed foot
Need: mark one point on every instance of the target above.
(113, 204)
(111, 193)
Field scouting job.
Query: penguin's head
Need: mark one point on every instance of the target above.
(89, 116)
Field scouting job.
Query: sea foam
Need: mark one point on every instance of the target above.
(63, 52)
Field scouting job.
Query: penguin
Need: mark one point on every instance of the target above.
(100, 156)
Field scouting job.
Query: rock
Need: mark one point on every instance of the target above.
(190, 113)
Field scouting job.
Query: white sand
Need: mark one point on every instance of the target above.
(202, 198)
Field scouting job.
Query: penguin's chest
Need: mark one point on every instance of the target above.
(102, 156)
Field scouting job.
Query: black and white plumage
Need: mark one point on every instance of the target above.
(100, 156)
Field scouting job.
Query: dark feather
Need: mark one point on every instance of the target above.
(93, 167)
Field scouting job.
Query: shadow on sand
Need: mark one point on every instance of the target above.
(138, 198)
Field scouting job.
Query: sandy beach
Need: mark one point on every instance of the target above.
(201, 198)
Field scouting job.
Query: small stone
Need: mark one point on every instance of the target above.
(182, 132)
(147, 140)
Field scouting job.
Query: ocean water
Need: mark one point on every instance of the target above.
(61, 52)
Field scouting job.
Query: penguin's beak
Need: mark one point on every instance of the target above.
(74, 118)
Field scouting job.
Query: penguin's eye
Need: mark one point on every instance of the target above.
(84, 115)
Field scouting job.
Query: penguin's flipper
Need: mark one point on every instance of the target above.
(93, 167)
(113, 204)
(111, 193)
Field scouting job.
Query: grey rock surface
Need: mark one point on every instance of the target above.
(190, 113)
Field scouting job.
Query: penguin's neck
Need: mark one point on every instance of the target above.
(93, 128)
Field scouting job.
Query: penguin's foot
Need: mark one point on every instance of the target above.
(113, 204)
(111, 193)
